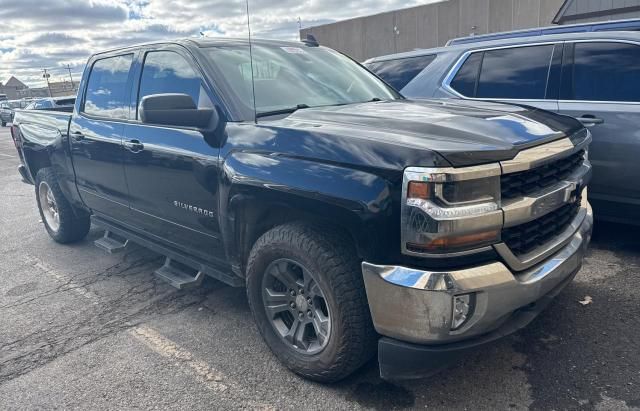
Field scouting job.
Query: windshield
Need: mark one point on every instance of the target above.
(295, 77)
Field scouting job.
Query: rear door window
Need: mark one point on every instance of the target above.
(510, 73)
(107, 87)
(398, 73)
(606, 71)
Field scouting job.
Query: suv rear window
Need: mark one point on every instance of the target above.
(512, 73)
(65, 102)
(399, 73)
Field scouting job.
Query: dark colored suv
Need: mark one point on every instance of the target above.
(594, 77)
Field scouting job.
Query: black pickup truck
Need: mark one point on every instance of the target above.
(357, 220)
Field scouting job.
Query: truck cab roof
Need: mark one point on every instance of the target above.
(203, 42)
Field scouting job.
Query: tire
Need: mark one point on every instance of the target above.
(329, 261)
(4, 124)
(60, 220)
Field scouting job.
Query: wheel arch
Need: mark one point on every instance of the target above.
(254, 218)
(35, 160)
(259, 193)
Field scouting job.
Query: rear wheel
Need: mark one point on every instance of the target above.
(61, 221)
(3, 124)
(307, 296)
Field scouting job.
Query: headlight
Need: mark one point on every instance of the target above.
(450, 210)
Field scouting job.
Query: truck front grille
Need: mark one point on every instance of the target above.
(526, 237)
(528, 182)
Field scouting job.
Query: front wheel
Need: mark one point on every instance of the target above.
(61, 221)
(307, 296)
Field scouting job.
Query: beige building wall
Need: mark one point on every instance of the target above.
(431, 25)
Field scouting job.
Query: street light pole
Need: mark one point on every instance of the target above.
(46, 77)
(71, 78)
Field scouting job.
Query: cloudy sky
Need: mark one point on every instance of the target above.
(37, 34)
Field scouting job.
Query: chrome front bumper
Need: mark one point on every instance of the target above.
(416, 306)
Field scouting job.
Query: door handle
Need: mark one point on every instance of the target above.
(77, 136)
(135, 146)
(589, 120)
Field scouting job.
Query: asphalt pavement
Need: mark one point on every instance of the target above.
(82, 329)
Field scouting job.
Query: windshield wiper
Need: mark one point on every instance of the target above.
(287, 110)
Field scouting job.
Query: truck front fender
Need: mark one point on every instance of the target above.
(259, 191)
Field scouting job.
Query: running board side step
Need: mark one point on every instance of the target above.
(179, 275)
(111, 242)
(189, 264)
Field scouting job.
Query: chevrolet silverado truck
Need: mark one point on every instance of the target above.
(358, 221)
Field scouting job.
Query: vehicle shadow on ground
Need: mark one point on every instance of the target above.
(620, 238)
(583, 353)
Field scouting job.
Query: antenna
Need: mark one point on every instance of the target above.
(253, 83)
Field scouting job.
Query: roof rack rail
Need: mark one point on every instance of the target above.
(616, 25)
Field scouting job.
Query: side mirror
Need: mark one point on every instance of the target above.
(176, 109)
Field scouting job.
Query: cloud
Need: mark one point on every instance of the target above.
(52, 14)
(53, 39)
(50, 34)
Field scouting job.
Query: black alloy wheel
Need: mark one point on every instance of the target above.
(296, 306)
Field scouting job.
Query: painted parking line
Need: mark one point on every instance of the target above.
(168, 349)
(7, 155)
(62, 279)
(210, 377)
(182, 358)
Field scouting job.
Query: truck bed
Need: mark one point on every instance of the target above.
(41, 127)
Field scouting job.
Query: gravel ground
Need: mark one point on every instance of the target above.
(83, 329)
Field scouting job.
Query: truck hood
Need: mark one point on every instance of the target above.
(464, 133)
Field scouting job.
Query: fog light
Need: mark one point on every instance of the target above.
(462, 310)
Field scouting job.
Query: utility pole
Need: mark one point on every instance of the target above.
(46, 77)
(71, 78)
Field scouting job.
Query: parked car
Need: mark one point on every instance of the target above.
(53, 103)
(7, 110)
(594, 77)
(354, 217)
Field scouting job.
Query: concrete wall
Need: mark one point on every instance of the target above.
(588, 11)
(431, 25)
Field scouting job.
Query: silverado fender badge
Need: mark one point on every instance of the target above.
(193, 209)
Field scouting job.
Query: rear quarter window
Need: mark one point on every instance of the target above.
(606, 71)
(398, 73)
